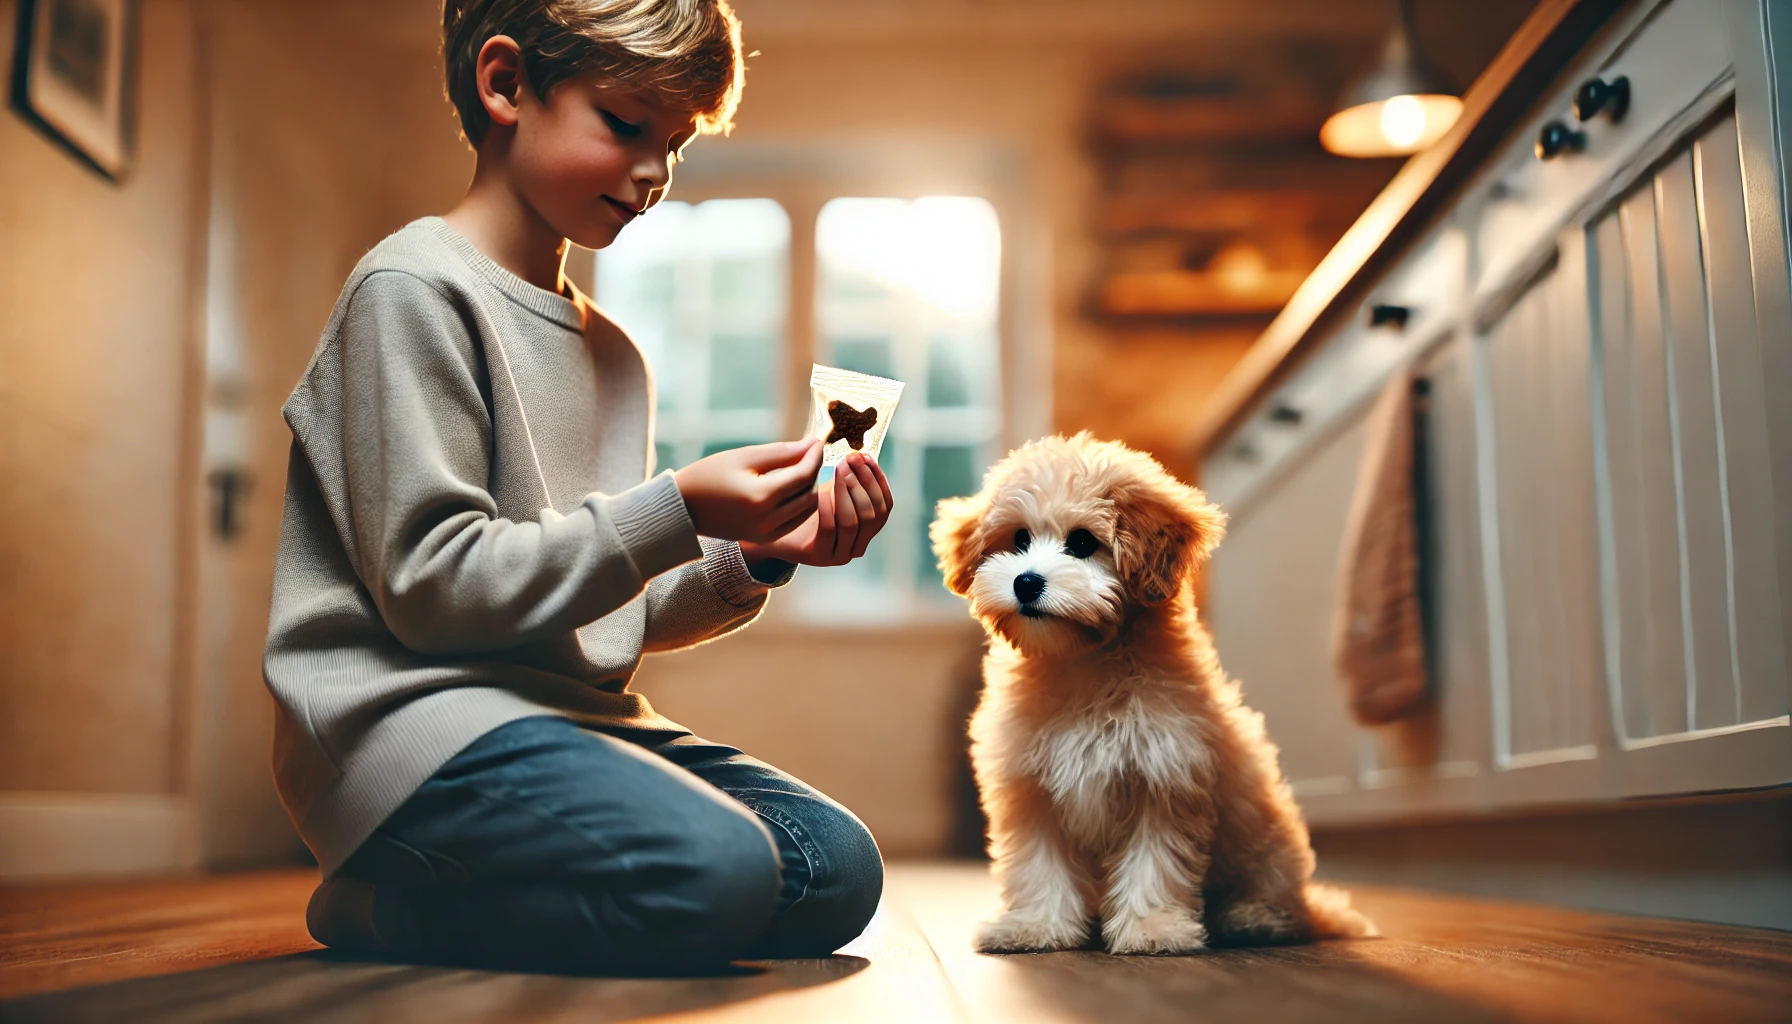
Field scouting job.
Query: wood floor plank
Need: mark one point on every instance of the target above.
(1444, 959)
(234, 948)
(60, 936)
(902, 983)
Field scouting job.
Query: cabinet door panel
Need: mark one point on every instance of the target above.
(1457, 623)
(1705, 558)
(1656, 678)
(1687, 443)
(1737, 343)
(1272, 590)
(1542, 493)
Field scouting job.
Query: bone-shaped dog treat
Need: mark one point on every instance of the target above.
(850, 424)
(849, 412)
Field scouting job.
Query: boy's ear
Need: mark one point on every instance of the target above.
(956, 534)
(498, 70)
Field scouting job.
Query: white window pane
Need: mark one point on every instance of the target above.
(704, 290)
(910, 289)
(943, 252)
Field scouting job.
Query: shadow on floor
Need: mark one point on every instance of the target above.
(322, 986)
(1331, 982)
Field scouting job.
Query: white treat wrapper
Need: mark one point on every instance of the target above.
(850, 412)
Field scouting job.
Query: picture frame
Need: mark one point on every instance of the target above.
(74, 78)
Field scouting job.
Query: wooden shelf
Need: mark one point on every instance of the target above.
(1219, 210)
(1133, 120)
(1184, 293)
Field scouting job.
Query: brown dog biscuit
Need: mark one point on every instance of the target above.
(850, 424)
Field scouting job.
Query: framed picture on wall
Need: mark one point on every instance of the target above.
(73, 72)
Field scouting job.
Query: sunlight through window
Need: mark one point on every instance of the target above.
(703, 289)
(909, 289)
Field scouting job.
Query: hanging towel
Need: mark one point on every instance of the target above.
(1378, 642)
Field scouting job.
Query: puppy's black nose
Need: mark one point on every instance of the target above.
(1028, 586)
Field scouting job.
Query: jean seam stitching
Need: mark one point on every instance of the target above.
(804, 842)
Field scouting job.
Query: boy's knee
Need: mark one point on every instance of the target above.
(735, 879)
(841, 900)
(721, 895)
(857, 885)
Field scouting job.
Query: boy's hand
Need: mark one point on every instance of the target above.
(753, 494)
(849, 514)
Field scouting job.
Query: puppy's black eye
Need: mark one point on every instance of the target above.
(1081, 543)
(1022, 540)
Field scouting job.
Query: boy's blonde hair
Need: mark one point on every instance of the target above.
(684, 54)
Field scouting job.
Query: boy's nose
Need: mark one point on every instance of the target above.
(1028, 586)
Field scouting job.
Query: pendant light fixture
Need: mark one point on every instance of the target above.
(1399, 107)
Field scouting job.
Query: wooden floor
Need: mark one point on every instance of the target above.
(235, 948)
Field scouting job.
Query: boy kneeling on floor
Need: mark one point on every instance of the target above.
(474, 557)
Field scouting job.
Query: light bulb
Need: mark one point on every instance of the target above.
(1402, 121)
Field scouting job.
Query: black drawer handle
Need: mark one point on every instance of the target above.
(1286, 414)
(1386, 314)
(1556, 138)
(1597, 94)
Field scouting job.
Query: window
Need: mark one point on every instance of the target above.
(903, 288)
(908, 289)
(703, 290)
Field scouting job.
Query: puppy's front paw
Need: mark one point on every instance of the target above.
(1016, 932)
(1170, 931)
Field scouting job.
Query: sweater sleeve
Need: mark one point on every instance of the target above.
(707, 599)
(448, 574)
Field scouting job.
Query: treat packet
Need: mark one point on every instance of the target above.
(849, 412)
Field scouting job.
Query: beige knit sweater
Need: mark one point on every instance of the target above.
(470, 535)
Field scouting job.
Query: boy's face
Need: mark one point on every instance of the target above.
(595, 156)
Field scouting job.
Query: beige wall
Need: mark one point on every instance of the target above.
(308, 171)
(97, 349)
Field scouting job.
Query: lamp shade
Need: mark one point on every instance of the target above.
(1401, 106)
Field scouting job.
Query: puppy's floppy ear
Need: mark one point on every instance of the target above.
(957, 540)
(1165, 529)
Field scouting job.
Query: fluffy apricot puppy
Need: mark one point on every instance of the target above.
(1124, 780)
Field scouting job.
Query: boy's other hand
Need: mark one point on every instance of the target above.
(753, 494)
(849, 514)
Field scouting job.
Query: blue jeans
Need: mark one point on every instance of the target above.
(547, 846)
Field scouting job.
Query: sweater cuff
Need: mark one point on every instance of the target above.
(656, 528)
(727, 570)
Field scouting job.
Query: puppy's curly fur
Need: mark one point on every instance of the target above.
(1123, 777)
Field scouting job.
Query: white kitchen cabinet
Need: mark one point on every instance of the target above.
(1604, 335)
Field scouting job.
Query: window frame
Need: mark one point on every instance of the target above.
(1022, 372)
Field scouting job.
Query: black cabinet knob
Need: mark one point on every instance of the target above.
(1596, 96)
(1386, 314)
(1286, 414)
(1556, 138)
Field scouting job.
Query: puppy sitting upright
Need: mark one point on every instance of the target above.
(1122, 776)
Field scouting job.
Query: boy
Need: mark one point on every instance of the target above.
(473, 557)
